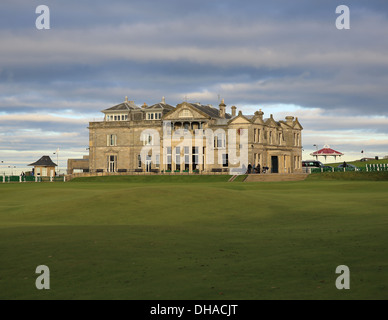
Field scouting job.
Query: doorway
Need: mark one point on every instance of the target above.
(274, 164)
(112, 163)
(148, 163)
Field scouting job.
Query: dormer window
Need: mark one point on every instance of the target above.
(154, 115)
(117, 117)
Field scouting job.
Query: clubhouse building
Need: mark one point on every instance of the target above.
(190, 137)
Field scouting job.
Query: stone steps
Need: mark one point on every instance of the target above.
(271, 177)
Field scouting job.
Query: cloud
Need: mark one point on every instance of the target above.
(264, 53)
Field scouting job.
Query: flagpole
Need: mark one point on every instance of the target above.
(57, 152)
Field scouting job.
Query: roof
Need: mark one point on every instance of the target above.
(160, 105)
(327, 151)
(125, 106)
(45, 161)
(210, 111)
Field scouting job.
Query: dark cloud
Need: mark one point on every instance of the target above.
(248, 52)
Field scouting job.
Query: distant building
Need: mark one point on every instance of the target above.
(325, 152)
(115, 144)
(78, 165)
(44, 167)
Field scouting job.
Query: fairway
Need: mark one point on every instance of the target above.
(200, 238)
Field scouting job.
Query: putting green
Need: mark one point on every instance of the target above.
(124, 238)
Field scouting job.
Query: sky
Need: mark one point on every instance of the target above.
(284, 57)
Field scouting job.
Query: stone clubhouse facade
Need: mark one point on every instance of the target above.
(191, 137)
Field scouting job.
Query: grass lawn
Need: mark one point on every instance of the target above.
(349, 176)
(360, 164)
(144, 238)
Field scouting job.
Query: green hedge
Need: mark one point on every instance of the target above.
(29, 179)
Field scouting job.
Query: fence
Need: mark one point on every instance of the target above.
(8, 179)
(100, 173)
(376, 167)
(368, 168)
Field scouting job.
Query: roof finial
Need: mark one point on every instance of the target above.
(126, 99)
(163, 100)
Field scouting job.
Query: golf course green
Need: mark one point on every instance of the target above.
(194, 237)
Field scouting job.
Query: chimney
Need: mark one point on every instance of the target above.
(222, 109)
(234, 111)
(163, 100)
(259, 114)
(126, 99)
(289, 120)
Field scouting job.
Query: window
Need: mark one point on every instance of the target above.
(147, 139)
(254, 135)
(139, 161)
(195, 157)
(157, 159)
(168, 155)
(257, 159)
(154, 116)
(111, 140)
(148, 163)
(185, 114)
(178, 158)
(187, 158)
(296, 139)
(225, 161)
(112, 163)
(258, 135)
(219, 141)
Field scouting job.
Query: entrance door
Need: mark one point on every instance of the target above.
(148, 164)
(112, 163)
(275, 164)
